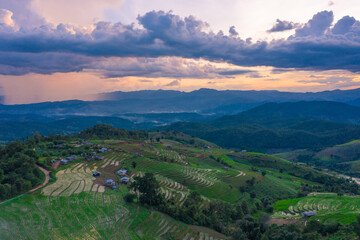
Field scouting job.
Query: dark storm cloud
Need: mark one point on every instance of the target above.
(233, 32)
(234, 72)
(281, 26)
(315, 46)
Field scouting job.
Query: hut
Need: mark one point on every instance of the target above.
(125, 180)
(122, 172)
(308, 214)
(96, 174)
(109, 182)
(64, 161)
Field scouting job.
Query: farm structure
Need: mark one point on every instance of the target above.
(308, 214)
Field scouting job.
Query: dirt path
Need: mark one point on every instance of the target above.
(47, 179)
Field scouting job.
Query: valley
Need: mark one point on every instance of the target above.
(191, 174)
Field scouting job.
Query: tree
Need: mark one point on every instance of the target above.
(356, 226)
(133, 164)
(245, 207)
(148, 189)
(130, 197)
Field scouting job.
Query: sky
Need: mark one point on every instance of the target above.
(54, 50)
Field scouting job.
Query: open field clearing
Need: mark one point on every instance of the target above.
(73, 180)
(114, 159)
(172, 156)
(328, 207)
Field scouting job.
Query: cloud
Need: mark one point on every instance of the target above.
(164, 35)
(23, 15)
(174, 83)
(344, 25)
(234, 72)
(334, 81)
(6, 17)
(317, 26)
(15, 63)
(160, 67)
(255, 75)
(233, 32)
(281, 26)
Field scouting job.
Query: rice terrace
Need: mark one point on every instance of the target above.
(90, 194)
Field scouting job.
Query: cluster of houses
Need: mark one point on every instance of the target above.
(94, 157)
(124, 177)
(110, 183)
(65, 160)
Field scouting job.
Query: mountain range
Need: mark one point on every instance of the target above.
(203, 101)
(260, 120)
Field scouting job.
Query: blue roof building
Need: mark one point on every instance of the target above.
(308, 214)
(122, 171)
(110, 182)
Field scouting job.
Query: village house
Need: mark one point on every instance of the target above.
(102, 150)
(308, 214)
(64, 161)
(99, 157)
(71, 158)
(122, 172)
(110, 183)
(125, 180)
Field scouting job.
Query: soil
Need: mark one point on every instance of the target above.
(108, 172)
(281, 222)
(56, 164)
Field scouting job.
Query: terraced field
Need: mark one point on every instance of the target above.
(78, 206)
(328, 207)
(73, 180)
(172, 155)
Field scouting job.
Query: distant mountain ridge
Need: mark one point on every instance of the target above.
(203, 101)
(281, 125)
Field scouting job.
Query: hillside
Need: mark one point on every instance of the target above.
(280, 126)
(200, 186)
(343, 158)
(10, 131)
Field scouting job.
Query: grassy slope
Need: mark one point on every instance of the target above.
(347, 154)
(106, 215)
(329, 208)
